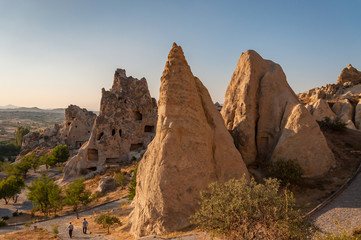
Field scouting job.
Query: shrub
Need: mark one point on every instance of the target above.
(242, 209)
(288, 171)
(120, 178)
(27, 224)
(107, 220)
(55, 229)
(133, 185)
(3, 222)
(5, 217)
(336, 124)
(343, 233)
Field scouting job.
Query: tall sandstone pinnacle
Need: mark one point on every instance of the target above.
(267, 120)
(191, 149)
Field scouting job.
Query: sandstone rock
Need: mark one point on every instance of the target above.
(77, 126)
(345, 112)
(264, 116)
(320, 110)
(349, 75)
(125, 125)
(106, 184)
(358, 115)
(74, 132)
(191, 149)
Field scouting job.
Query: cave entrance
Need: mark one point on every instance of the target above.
(149, 128)
(137, 115)
(92, 154)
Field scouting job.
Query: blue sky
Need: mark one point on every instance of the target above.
(56, 53)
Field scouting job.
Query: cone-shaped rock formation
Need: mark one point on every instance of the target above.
(267, 120)
(191, 149)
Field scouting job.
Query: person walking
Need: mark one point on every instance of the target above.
(70, 228)
(85, 226)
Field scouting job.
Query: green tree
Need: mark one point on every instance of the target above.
(76, 195)
(242, 209)
(32, 160)
(120, 178)
(133, 184)
(40, 193)
(20, 133)
(22, 167)
(56, 198)
(10, 187)
(288, 171)
(59, 154)
(107, 220)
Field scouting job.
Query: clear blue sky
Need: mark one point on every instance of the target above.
(56, 53)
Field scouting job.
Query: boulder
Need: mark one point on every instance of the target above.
(358, 115)
(344, 110)
(191, 149)
(125, 126)
(106, 184)
(266, 118)
(321, 110)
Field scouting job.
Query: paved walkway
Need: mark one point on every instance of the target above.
(64, 221)
(346, 209)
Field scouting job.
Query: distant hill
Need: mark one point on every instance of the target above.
(12, 108)
(9, 106)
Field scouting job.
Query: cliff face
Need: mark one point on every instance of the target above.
(191, 149)
(267, 120)
(122, 131)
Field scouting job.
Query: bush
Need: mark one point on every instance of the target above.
(120, 178)
(241, 209)
(5, 217)
(133, 185)
(336, 124)
(27, 224)
(55, 229)
(107, 220)
(288, 171)
(3, 222)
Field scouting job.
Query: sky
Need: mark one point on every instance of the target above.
(57, 53)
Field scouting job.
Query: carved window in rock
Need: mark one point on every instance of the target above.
(137, 115)
(120, 132)
(149, 128)
(92, 154)
(100, 135)
(113, 132)
(136, 146)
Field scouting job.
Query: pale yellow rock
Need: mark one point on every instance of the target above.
(295, 142)
(321, 110)
(191, 149)
(358, 115)
(258, 105)
(345, 112)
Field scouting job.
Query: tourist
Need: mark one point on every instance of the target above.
(85, 225)
(70, 228)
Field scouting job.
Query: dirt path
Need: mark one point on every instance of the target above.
(346, 209)
(64, 221)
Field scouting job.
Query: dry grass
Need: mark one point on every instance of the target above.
(39, 234)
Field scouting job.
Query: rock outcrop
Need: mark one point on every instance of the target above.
(77, 127)
(191, 149)
(358, 115)
(124, 128)
(267, 120)
(74, 132)
(344, 110)
(349, 75)
(320, 110)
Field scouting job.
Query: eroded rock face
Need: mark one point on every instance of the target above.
(320, 110)
(74, 132)
(124, 127)
(264, 115)
(349, 75)
(77, 127)
(191, 149)
(358, 115)
(345, 112)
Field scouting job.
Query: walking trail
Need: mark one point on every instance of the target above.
(63, 223)
(346, 209)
